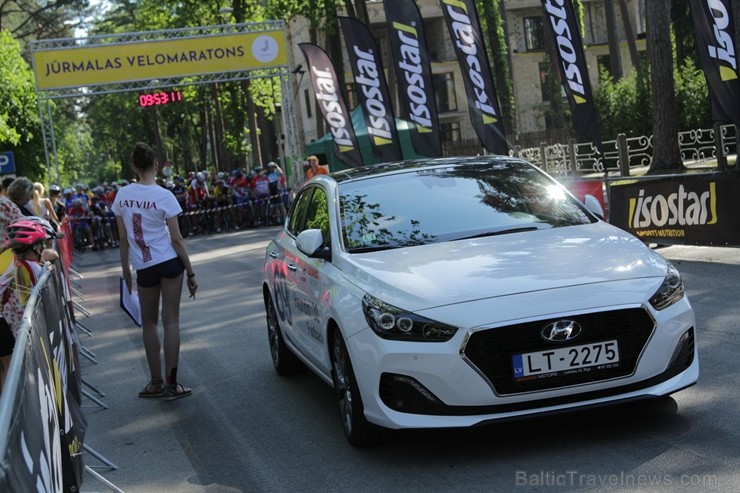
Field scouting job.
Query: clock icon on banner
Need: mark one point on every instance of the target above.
(265, 49)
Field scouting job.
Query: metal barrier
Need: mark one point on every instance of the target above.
(42, 426)
(625, 153)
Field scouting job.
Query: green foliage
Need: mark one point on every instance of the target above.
(18, 109)
(20, 130)
(625, 106)
(621, 106)
(692, 96)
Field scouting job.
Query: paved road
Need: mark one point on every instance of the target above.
(247, 430)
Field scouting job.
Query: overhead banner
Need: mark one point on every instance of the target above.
(177, 57)
(462, 22)
(573, 68)
(332, 104)
(687, 209)
(715, 39)
(372, 90)
(413, 76)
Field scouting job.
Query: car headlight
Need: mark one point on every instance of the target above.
(393, 323)
(670, 291)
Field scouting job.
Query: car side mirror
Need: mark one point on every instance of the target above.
(311, 243)
(594, 206)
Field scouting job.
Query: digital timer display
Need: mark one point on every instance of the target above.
(159, 98)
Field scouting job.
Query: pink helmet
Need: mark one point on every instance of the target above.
(25, 232)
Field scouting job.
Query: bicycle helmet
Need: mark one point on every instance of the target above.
(48, 228)
(55, 188)
(25, 232)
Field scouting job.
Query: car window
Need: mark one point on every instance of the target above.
(317, 215)
(452, 203)
(298, 211)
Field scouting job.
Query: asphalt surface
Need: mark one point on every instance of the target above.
(245, 429)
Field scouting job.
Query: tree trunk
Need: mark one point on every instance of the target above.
(361, 8)
(350, 8)
(239, 15)
(629, 33)
(218, 127)
(499, 56)
(555, 116)
(509, 62)
(615, 57)
(666, 154)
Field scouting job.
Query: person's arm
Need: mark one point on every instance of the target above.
(50, 209)
(49, 255)
(179, 245)
(123, 251)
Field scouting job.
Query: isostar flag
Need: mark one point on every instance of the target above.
(332, 104)
(563, 24)
(715, 40)
(372, 90)
(413, 75)
(462, 22)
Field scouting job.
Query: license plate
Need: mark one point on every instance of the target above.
(571, 359)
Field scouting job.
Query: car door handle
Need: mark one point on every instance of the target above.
(273, 255)
(292, 267)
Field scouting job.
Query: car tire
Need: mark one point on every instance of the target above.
(286, 363)
(359, 431)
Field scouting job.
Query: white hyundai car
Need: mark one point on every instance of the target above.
(452, 292)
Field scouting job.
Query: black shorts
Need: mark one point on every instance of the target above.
(7, 341)
(151, 276)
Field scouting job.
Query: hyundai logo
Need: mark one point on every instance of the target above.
(561, 331)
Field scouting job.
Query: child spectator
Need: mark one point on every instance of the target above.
(27, 239)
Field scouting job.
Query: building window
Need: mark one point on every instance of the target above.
(534, 34)
(444, 92)
(450, 132)
(307, 100)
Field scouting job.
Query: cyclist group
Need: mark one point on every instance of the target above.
(221, 201)
(211, 203)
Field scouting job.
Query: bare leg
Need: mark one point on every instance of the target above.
(4, 365)
(149, 300)
(171, 294)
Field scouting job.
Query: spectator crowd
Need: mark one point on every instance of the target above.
(211, 203)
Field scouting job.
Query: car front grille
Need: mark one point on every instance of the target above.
(490, 351)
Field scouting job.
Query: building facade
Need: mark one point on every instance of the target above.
(525, 33)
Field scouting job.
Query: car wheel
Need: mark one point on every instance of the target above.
(359, 431)
(283, 358)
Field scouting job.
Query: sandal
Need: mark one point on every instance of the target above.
(155, 388)
(172, 392)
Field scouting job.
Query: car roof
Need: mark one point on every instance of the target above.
(374, 170)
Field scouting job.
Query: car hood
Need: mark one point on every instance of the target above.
(444, 273)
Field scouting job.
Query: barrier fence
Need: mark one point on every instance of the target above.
(42, 428)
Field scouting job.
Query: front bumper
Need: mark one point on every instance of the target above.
(428, 385)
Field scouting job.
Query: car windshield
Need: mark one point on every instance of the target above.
(452, 203)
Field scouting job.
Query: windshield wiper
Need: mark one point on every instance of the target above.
(369, 249)
(497, 232)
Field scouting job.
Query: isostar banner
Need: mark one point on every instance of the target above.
(689, 210)
(413, 75)
(332, 104)
(715, 39)
(573, 69)
(372, 90)
(462, 23)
